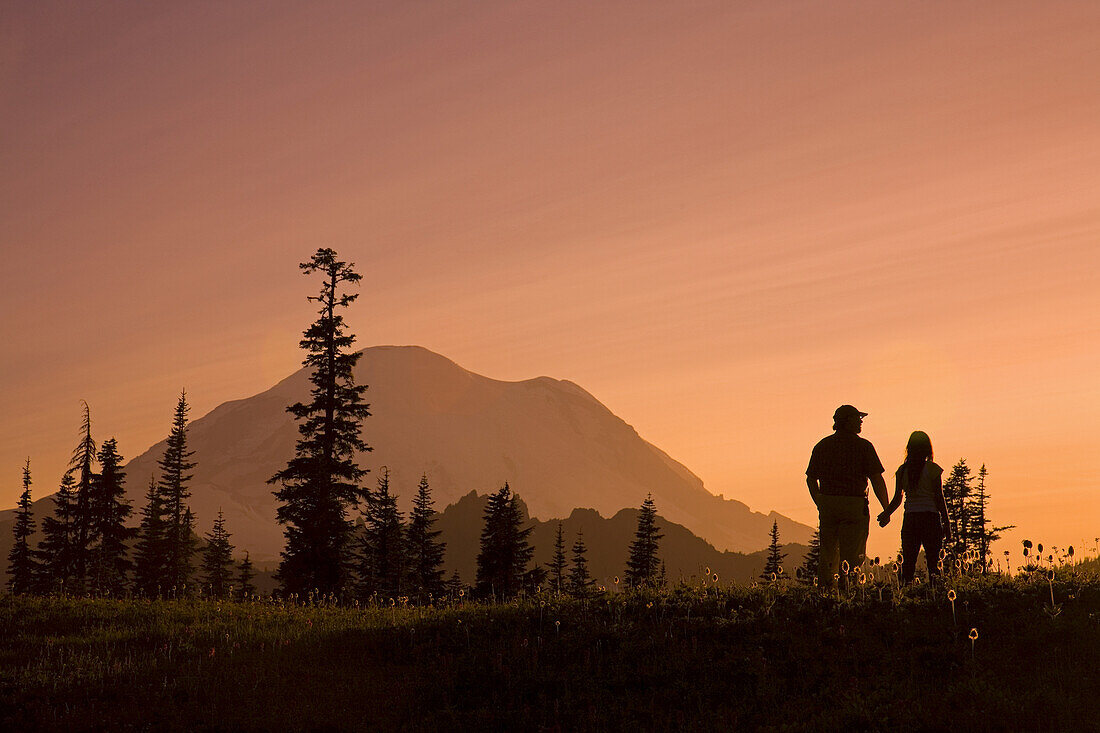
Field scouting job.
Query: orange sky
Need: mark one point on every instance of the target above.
(722, 219)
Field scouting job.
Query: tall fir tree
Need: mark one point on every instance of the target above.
(580, 582)
(321, 482)
(984, 532)
(83, 466)
(175, 466)
(217, 559)
(811, 559)
(383, 554)
(956, 494)
(150, 551)
(22, 566)
(557, 563)
(773, 566)
(56, 563)
(244, 576)
(424, 550)
(505, 551)
(643, 563)
(109, 564)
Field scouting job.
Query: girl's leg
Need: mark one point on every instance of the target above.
(933, 541)
(910, 546)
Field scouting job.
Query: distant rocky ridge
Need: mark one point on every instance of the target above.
(556, 445)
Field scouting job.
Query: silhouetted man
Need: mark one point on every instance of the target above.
(839, 469)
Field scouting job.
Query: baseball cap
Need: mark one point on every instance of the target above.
(845, 411)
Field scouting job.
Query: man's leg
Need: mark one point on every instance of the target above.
(853, 533)
(829, 536)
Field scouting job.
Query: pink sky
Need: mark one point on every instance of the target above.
(721, 219)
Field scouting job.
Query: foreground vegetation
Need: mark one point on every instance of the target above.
(1017, 653)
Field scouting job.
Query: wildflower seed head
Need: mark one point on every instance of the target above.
(973, 635)
(951, 595)
(845, 567)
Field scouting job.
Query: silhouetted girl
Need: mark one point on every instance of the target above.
(925, 522)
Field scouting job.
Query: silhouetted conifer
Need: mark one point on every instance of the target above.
(773, 566)
(382, 555)
(244, 578)
(83, 463)
(321, 482)
(643, 563)
(217, 559)
(22, 566)
(557, 563)
(179, 522)
(956, 494)
(811, 559)
(151, 551)
(580, 582)
(454, 586)
(982, 530)
(424, 551)
(109, 565)
(505, 552)
(55, 551)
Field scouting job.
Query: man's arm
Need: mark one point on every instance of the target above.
(814, 488)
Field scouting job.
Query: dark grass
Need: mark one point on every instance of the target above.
(764, 658)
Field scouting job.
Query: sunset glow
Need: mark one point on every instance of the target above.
(722, 220)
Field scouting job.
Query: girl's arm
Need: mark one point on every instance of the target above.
(884, 518)
(941, 504)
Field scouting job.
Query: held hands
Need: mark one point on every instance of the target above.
(884, 518)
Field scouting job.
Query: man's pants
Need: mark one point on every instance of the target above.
(844, 523)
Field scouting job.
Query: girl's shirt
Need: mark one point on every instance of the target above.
(921, 496)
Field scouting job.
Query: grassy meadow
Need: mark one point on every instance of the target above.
(986, 653)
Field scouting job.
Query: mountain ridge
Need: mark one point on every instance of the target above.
(554, 442)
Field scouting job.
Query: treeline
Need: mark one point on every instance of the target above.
(87, 547)
(342, 539)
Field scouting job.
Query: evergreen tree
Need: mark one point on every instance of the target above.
(956, 494)
(245, 576)
(505, 551)
(985, 534)
(83, 464)
(557, 564)
(773, 566)
(110, 510)
(580, 582)
(425, 552)
(643, 563)
(22, 567)
(179, 541)
(217, 559)
(321, 481)
(55, 551)
(811, 559)
(454, 586)
(151, 552)
(383, 557)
